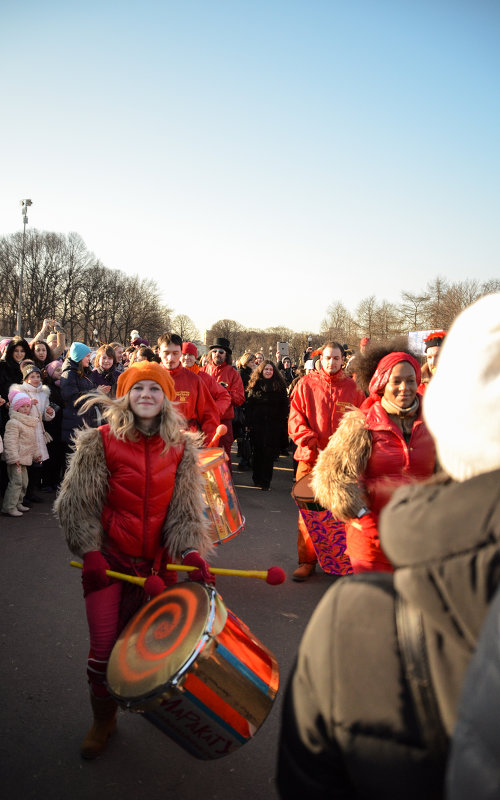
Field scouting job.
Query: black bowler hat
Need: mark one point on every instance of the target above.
(223, 344)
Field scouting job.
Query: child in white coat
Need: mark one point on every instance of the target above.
(20, 450)
(43, 412)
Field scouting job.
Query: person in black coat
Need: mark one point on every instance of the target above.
(266, 411)
(76, 382)
(16, 351)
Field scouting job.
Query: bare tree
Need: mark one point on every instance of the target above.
(228, 329)
(185, 328)
(413, 311)
(338, 325)
(366, 314)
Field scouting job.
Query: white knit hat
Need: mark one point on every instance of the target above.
(462, 402)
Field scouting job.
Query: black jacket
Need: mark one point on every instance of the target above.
(266, 412)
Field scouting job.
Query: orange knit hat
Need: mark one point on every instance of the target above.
(145, 371)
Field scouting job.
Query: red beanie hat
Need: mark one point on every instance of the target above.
(145, 371)
(189, 347)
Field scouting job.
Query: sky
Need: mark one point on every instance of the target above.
(261, 159)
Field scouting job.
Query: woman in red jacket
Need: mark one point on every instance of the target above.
(131, 501)
(375, 449)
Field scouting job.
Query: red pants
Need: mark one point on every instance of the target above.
(305, 548)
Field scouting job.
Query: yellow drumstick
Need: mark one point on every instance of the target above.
(273, 575)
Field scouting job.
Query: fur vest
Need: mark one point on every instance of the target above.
(89, 492)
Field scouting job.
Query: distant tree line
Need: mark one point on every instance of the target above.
(62, 280)
(434, 308)
(65, 281)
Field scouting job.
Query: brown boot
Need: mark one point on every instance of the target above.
(303, 572)
(104, 725)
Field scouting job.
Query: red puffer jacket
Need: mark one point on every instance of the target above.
(393, 462)
(141, 483)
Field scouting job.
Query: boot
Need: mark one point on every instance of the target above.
(303, 572)
(104, 725)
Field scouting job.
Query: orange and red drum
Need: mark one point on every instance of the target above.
(194, 670)
(327, 533)
(221, 504)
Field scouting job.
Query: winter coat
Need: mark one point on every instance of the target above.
(195, 402)
(474, 763)
(53, 426)
(266, 412)
(316, 407)
(73, 387)
(20, 440)
(39, 410)
(113, 495)
(108, 377)
(217, 392)
(225, 373)
(353, 722)
(9, 373)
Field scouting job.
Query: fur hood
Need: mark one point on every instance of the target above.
(33, 391)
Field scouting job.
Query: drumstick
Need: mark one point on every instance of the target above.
(273, 575)
(220, 431)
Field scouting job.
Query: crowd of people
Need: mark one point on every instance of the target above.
(409, 467)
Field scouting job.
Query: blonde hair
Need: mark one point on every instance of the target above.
(123, 423)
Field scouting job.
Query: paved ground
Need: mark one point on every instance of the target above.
(45, 710)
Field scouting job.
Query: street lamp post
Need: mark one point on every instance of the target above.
(24, 211)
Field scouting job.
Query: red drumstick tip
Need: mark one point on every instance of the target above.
(275, 575)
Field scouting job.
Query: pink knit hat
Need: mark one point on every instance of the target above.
(18, 399)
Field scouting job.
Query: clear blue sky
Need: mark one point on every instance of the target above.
(260, 160)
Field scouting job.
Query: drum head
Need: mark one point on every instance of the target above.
(161, 637)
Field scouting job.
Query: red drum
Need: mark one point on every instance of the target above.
(221, 504)
(194, 670)
(327, 534)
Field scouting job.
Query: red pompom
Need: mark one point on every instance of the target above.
(153, 586)
(275, 575)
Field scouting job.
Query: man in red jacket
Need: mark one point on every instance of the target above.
(194, 399)
(217, 391)
(316, 408)
(220, 367)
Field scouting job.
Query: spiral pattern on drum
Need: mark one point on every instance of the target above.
(157, 641)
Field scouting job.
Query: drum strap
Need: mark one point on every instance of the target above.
(412, 644)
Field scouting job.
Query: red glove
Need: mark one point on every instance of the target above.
(202, 574)
(312, 443)
(153, 586)
(94, 572)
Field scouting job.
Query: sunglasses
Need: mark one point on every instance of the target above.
(220, 352)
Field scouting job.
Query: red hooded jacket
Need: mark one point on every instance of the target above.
(316, 408)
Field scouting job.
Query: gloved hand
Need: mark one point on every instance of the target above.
(312, 443)
(154, 586)
(94, 572)
(202, 574)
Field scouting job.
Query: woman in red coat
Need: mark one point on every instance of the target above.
(131, 501)
(375, 449)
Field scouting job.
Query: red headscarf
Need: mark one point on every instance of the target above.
(385, 366)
